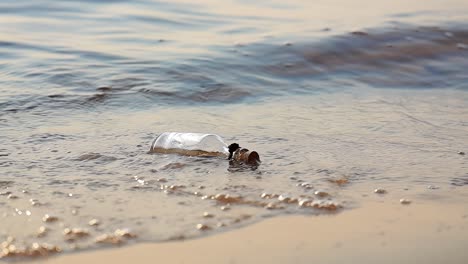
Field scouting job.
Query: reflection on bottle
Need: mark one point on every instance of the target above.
(190, 144)
(205, 145)
(243, 155)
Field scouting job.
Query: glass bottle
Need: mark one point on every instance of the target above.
(191, 144)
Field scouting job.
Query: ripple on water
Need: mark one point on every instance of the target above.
(460, 181)
(95, 156)
(5, 184)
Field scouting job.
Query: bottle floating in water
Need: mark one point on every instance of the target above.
(243, 155)
(191, 144)
(197, 144)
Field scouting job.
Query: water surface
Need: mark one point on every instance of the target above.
(339, 98)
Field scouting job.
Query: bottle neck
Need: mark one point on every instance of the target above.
(233, 147)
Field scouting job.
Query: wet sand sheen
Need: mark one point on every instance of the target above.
(376, 233)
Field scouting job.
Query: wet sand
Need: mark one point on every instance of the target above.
(381, 232)
(337, 97)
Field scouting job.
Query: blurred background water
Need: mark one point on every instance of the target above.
(338, 97)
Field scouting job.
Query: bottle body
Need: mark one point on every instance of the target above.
(191, 144)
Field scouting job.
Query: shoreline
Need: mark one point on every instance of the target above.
(377, 233)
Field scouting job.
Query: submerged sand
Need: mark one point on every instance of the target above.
(381, 232)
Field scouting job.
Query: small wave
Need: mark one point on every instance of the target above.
(217, 93)
(6, 184)
(408, 57)
(404, 56)
(460, 181)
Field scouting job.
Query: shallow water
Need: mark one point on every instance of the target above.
(337, 100)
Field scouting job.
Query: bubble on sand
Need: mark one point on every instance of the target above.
(321, 193)
(93, 222)
(9, 250)
(203, 227)
(42, 231)
(304, 202)
(12, 197)
(208, 215)
(75, 233)
(226, 198)
(287, 199)
(35, 202)
(326, 205)
(405, 201)
(118, 237)
(225, 208)
(124, 232)
(272, 206)
(305, 185)
(269, 196)
(380, 191)
(49, 218)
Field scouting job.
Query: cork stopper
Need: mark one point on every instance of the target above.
(252, 158)
(243, 155)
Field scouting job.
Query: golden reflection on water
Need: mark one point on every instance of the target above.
(189, 26)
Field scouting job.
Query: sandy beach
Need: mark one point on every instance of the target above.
(351, 106)
(378, 233)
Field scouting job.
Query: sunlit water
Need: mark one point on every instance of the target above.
(339, 98)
